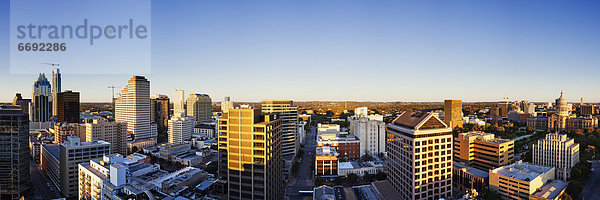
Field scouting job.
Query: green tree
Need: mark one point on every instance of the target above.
(352, 178)
(368, 177)
(380, 176)
(338, 180)
(319, 180)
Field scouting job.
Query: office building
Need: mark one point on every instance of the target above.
(180, 129)
(67, 105)
(504, 107)
(199, 106)
(419, 147)
(453, 113)
(559, 151)
(326, 161)
(63, 130)
(133, 107)
(23, 104)
(587, 109)
(14, 162)
(59, 162)
(465, 177)
(483, 151)
(112, 132)
(94, 174)
(250, 154)
(226, 104)
(288, 113)
(346, 145)
(525, 181)
(56, 88)
(179, 103)
(41, 99)
(370, 132)
(159, 111)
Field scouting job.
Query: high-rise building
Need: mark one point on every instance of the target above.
(419, 147)
(41, 99)
(453, 113)
(180, 129)
(199, 106)
(526, 181)
(24, 104)
(483, 151)
(503, 108)
(559, 151)
(59, 162)
(250, 154)
(14, 145)
(67, 106)
(288, 113)
(226, 104)
(112, 132)
(133, 107)
(179, 103)
(56, 88)
(370, 132)
(63, 130)
(159, 111)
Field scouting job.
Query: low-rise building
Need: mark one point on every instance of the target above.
(326, 161)
(360, 168)
(521, 180)
(347, 146)
(465, 177)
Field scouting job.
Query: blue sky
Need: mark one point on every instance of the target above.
(358, 50)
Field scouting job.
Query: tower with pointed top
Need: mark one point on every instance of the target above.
(41, 99)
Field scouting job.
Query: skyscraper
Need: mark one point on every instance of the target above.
(14, 145)
(288, 113)
(159, 111)
(112, 132)
(453, 113)
(199, 106)
(250, 154)
(133, 107)
(67, 106)
(41, 99)
(179, 103)
(370, 130)
(420, 156)
(180, 129)
(56, 88)
(24, 104)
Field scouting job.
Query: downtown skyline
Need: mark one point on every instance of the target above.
(411, 52)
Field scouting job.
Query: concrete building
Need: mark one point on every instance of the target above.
(14, 162)
(370, 132)
(503, 108)
(582, 122)
(302, 132)
(453, 113)
(63, 130)
(419, 156)
(326, 161)
(180, 129)
(56, 88)
(133, 107)
(95, 173)
(521, 180)
(288, 113)
(35, 147)
(23, 104)
(226, 104)
(59, 162)
(559, 151)
(179, 103)
(159, 111)
(67, 105)
(206, 130)
(483, 151)
(347, 146)
(465, 177)
(360, 168)
(112, 132)
(587, 109)
(41, 107)
(250, 154)
(199, 106)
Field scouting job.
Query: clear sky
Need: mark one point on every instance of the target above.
(358, 50)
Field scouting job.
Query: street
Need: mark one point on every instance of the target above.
(304, 179)
(41, 185)
(591, 190)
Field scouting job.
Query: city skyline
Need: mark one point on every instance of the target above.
(359, 52)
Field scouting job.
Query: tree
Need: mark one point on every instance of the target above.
(295, 167)
(380, 176)
(368, 177)
(338, 180)
(134, 149)
(578, 131)
(352, 178)
(319, 180)
(565, 196)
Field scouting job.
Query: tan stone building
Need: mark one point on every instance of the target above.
(526, 181)
(482, 150)
(559, 151)
(419, 156)
(453, 113)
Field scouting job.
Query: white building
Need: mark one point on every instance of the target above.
(179, 103)
(180, 129)
(556, 150)
(226, 104)
(133, 107)
(301, 132)
(371, 133)
(360, 168)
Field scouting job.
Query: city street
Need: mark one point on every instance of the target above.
(41, 185)
(591, 190)
(304, 179)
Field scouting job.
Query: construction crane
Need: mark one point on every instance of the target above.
(53, 65)
(112, 87)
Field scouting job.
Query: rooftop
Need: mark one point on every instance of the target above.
(324, 193)
(551, 190)
(53, 149)
(471, 170)
(486, 137)
(522, 171)
(418, 120)
(385, 190)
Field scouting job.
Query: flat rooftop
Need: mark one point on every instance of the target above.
(522, 171)
(471, 170)
(551, 190)
(53, 149)
(384, 190)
